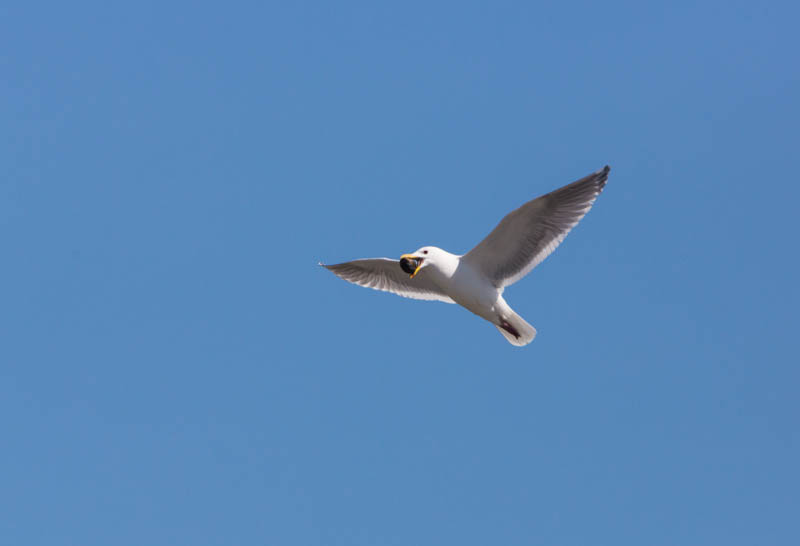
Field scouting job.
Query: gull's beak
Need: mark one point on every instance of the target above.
(411, 264)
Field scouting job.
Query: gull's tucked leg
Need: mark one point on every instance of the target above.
(512, 326)
(505, 325)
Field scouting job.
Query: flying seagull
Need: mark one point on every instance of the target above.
(477, 279)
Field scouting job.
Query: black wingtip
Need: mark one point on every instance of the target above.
(601, 176)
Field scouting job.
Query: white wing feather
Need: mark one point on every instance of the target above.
(529, 234)
(385, 274)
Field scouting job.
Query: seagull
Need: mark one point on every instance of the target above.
(476, 280)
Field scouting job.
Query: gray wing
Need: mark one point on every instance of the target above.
(529, 234)
(385, 274)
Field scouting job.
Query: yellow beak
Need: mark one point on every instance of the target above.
(416, 260)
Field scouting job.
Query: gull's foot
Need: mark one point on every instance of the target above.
(504, 324)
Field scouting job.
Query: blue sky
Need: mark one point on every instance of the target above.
(176, 369)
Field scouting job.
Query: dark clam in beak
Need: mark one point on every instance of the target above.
(410, 264)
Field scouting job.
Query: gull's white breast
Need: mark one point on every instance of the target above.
(470, 288)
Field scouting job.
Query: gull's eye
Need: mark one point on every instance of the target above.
(424, 251)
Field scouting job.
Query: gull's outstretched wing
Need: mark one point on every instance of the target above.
(386, 274)
(529, 234)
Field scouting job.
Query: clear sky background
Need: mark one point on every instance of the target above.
(176, 369)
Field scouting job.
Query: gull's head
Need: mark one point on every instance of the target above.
(414, 263)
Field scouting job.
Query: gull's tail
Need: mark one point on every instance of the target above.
(515, 329)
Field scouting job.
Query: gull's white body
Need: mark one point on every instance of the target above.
(476, 280)
(470, 288)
